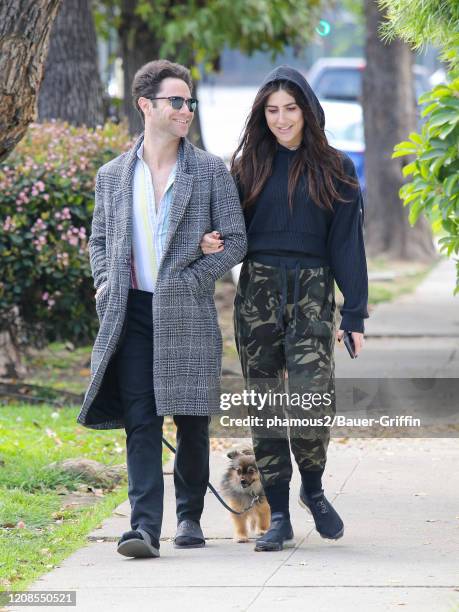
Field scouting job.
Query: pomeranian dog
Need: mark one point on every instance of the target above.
(240, 485)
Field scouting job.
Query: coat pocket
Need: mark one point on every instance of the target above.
(194, 288)
(102, 300)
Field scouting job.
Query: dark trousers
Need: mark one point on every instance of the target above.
(134, 369)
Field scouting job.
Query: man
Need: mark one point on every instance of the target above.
(158, 350)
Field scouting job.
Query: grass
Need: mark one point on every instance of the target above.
(59, 367)
(386, 291)
(32, 437)
(408, 276)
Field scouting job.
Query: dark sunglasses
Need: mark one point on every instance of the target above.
(177, 102)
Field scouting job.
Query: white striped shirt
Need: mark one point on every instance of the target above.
(149, 226)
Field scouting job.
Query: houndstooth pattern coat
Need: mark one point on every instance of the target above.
(187, 342)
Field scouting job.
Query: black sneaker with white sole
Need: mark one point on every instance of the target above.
(138, 543)
(327, 520)
(280, 531)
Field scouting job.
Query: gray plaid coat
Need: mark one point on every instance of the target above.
(186, 336)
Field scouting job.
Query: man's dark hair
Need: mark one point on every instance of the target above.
(147, 79)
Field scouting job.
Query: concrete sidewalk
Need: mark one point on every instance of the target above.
(399, 502)
(415, 336)
(398, 499)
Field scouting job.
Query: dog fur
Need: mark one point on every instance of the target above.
(240, 483)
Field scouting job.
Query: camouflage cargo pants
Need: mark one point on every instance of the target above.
(285, 336)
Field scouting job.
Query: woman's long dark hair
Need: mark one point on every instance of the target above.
(323, 164)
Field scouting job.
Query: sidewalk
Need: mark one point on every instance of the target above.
(398, 499)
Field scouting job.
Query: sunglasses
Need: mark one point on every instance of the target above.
(177, 102)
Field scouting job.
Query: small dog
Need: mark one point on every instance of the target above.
(240, 485)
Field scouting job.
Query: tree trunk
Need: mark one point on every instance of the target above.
(11, 366)
(72, 89)
(25, 27)
(138, 47)
(195, 133)
(389, 109)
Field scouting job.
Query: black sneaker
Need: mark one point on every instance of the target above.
(327, 520)
(280, 531)
(138, 543)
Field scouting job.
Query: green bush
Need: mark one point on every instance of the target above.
(47, 201)
(434, 189)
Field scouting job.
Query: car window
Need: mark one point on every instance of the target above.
(339, 84)
(346, 84)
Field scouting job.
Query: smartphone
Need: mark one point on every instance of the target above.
(349, 344)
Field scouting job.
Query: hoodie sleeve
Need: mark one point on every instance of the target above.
(346, 252)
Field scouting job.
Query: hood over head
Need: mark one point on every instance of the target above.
(286, 73)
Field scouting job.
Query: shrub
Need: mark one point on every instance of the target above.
(434, 189)
(47, 200)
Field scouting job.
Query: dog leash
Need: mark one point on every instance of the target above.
(255, 499)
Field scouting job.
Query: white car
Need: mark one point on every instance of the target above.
(340, 78)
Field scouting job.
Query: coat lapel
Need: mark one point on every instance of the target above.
(183, 185)
(122, 198)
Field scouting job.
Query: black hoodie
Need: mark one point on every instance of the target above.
(309, 235)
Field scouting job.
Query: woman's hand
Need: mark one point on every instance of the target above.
(356, 337)
(211, 243)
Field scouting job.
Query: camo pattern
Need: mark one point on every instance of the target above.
(284, 322)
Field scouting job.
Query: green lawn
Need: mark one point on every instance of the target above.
(408, 276)
(31, 437)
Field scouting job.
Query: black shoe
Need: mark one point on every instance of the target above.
(280, 531)
(139, 544)
(327, 520)
(189, 535)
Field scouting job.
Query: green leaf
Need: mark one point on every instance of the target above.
(431, 154)
(443, 116)
(415, 137)
(409, 168)
(415, 211)
(436, 165)
(449, 184)
(429, 109)
(447, 131)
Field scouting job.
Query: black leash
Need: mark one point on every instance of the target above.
(255, 499)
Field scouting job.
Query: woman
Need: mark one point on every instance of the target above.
(304, 216)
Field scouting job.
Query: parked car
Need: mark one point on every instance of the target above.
(344, 130)
(340, 78)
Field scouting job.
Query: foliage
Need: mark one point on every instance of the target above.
(195, 33)
(422, 22)
(47, 200)
(434, 189)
